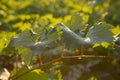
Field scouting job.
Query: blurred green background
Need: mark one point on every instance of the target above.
(19, 15)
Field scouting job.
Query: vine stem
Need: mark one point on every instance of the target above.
(58, 59)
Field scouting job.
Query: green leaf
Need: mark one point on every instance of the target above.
(69, 38)
(103, 44)
(76, 22)
(96, 45)
(26, 54)
(5, 39)
(36, 74)
(53, 51)
(28, 46)
(116, 30)
(92, 78)
(24, 39)
(99, 33)
(44, 48)
(54, 33)
(34, 36)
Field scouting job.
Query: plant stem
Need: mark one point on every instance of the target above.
(58, 59)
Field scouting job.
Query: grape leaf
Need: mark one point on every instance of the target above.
(76, 22)
(24, 39)
(99, 33)
(69, 38)
(116, 30)
(60, 35)
(36, 74)
(26, 54)
(45, 48)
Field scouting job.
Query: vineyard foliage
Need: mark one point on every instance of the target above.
(59, 40)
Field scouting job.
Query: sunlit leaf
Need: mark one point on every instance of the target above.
(105, 44)
(5, 39)
(116, 30)
(92, 78)
(36, 74)
(96, 45)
